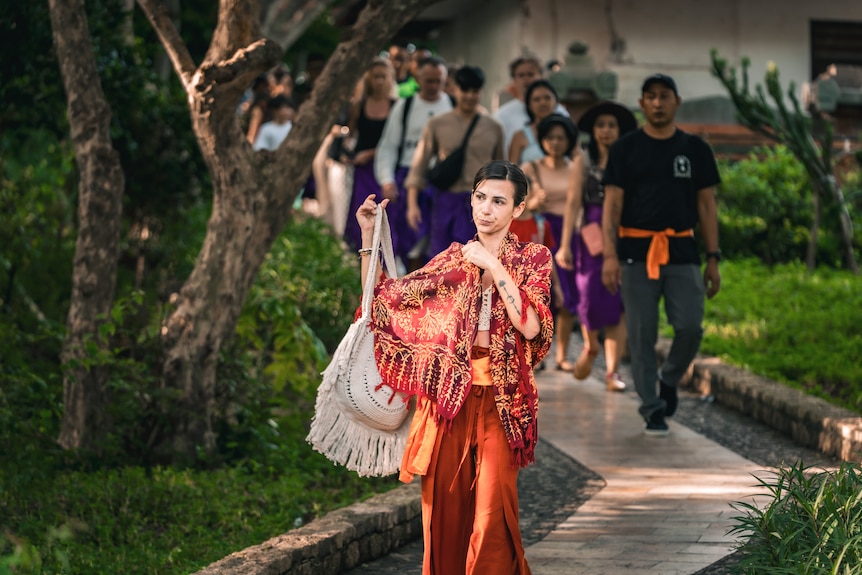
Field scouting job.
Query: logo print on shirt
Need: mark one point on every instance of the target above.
(681, 167)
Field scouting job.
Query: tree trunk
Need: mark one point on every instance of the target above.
(100, 204)
(252, 192)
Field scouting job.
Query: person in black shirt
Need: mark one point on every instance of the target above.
(659, 183)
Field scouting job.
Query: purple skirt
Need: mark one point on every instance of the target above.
(365, 184)
(568, 284)
(309, 190)
(597, 308)
(451, 220)
(407, 236)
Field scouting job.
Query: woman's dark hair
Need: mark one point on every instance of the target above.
(593, 150)
(540, 83)
(568, 127)
(281, 101)
(503, 170)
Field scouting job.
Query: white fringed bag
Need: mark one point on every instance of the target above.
(357, 422)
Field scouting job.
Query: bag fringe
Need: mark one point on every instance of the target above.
(343, 439)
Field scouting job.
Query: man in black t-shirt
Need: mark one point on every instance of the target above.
(659, 183)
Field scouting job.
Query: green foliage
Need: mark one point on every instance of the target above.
(812, 523)
(36, 245)
(37, 234)
(790, 325)
(298, 309)
(764, 207)
(162, 520)
(113, 515)
(791, 127)
(30, 85)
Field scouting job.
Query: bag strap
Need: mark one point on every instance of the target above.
(540, 227)
(470, 131)
(382, 240)
(407, 103)
(536, 173)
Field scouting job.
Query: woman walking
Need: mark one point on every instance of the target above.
(550, 177)
(597, 309)
(541, 100)
(367, 118)
(462, 334)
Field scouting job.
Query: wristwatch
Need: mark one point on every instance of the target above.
(716, 255)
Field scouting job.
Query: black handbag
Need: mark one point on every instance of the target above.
(444, 174)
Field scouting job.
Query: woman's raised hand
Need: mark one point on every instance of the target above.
(477, 254)
(366, 213)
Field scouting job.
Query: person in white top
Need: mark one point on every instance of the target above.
(513, 114)
(395, 150)
(272, 134)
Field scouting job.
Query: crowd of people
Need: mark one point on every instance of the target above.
(543, 225)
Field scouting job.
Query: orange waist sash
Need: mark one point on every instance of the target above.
(659, 250)
(424, 428)
(480, 361)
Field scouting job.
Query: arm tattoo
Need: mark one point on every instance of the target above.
(509, 297)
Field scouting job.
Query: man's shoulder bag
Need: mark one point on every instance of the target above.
(445, 173)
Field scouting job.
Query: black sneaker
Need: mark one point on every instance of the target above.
(655, 424)
(669, 395)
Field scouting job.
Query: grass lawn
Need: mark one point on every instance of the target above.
(792, 326)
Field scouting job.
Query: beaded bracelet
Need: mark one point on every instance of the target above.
(365, 252)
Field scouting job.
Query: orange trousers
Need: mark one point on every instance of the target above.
(470, 494)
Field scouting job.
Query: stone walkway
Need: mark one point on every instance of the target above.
(665, 507)
(630, 503)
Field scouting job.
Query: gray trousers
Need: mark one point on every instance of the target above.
(683, 291)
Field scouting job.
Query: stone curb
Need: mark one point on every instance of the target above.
(810, 421)
(336, 542)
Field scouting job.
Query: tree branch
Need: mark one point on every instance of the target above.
(377, 24)
(238, 26)
(161, 22)
(284, 21)
(246, 62)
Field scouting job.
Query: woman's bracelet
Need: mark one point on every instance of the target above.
(365, 252)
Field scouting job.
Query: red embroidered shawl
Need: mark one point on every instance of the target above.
(425, 324)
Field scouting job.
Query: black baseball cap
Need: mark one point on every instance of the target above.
(659, 79)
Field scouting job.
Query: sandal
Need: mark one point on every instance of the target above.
(564, 365)
(615, 382)
(584, 365)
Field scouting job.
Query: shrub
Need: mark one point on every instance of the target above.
(299, 307)
(64, 516)
(812, 523)
(764, 207)
(765, 210)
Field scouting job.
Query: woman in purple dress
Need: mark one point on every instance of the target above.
(597, 308)
(368, 115)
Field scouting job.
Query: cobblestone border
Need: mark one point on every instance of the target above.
(336, 542)
(810, 421)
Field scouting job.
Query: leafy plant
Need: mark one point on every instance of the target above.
(296, 313)
(790, 126)
(811, 525)
(765, 207)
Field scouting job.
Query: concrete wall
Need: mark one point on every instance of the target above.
(673, 36)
